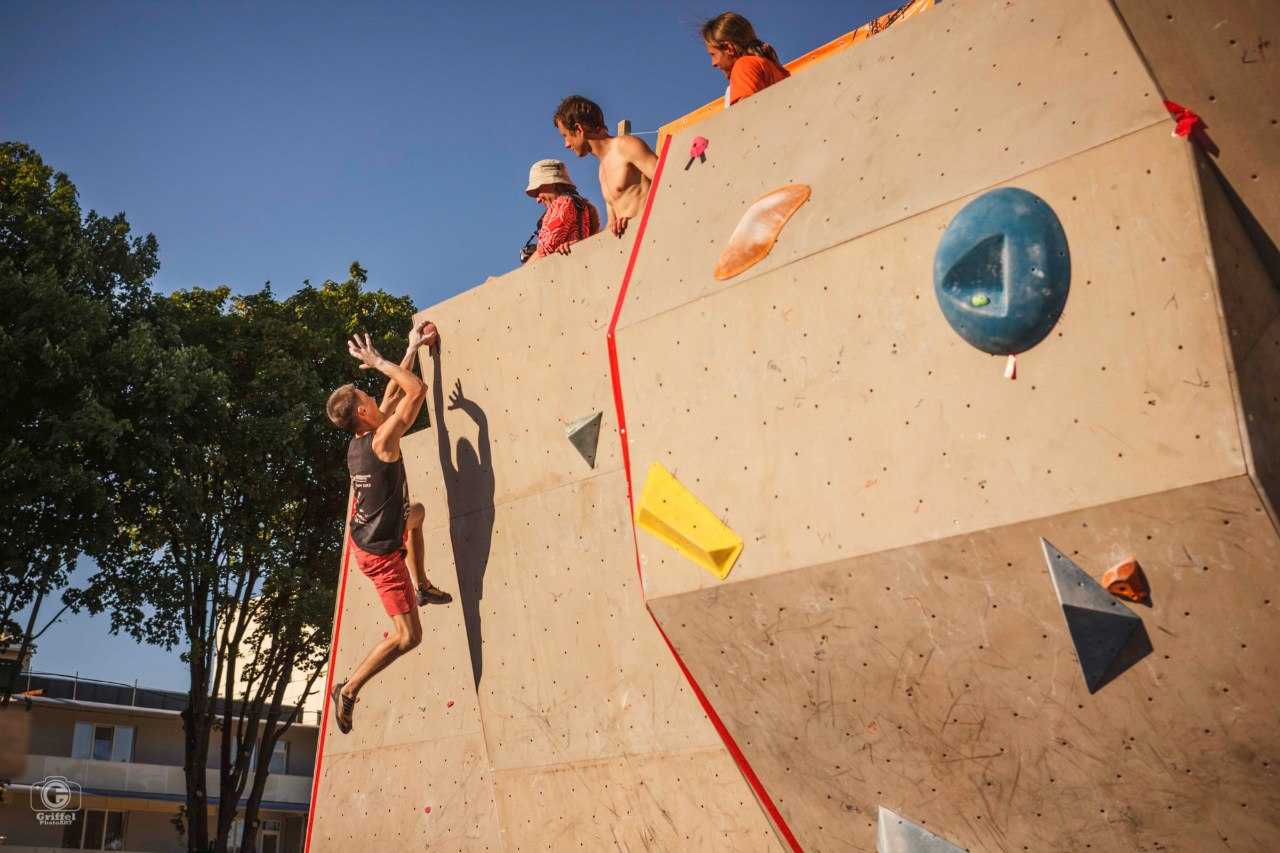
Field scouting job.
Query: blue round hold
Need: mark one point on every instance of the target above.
(1002, 271)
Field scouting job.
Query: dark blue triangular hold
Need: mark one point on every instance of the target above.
(1100, 626)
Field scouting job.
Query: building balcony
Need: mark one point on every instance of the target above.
(142, 780)
(26, 848)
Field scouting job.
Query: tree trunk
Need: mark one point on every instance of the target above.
(195, 727)
(10, 674)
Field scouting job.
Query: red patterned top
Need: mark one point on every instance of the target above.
(563, 224)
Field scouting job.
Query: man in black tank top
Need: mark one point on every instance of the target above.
(383, 522)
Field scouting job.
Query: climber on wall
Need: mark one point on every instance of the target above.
(385, 527)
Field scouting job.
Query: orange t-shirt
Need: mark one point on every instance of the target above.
(750, 74)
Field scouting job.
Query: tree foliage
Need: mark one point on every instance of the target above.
(181, 442)
(77, 325)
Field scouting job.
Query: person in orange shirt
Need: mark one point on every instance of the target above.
(750, 64)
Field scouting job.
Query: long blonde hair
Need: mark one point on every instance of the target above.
(732, 28)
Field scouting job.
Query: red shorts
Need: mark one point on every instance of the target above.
(390, 576)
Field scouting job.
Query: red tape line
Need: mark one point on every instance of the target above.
(741, 760)
(328, 686)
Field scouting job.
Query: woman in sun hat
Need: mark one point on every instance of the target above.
(569, 217)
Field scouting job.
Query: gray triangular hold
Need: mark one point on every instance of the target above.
(584, 433)
(896, 834)
(1100, 626)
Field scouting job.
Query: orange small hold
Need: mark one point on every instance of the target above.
(1125, 580)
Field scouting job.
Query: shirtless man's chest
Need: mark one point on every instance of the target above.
(624, 186)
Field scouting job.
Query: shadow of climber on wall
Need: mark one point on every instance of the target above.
(469, 487)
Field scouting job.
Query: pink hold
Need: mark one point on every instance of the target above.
(449, 704)
(384, 635)
(698, 147)
(427, 810)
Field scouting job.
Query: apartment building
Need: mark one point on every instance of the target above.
(104, 772)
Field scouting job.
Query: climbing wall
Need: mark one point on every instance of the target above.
(874, 540)
(1222, 60)
(891, 636)
(543, 711)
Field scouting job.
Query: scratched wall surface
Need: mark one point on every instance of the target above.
(938, 680)
(543, 711)
(890, 635)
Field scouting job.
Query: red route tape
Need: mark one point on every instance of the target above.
(1187, 119)
(328, 686)
(741, 760)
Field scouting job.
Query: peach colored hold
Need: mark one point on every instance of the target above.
(758, 229)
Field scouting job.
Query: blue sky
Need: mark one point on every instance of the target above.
(282, 141)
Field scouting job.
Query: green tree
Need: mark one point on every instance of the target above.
(229, 548)
(77, 326)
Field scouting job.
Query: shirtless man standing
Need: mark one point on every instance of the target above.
(626, 163)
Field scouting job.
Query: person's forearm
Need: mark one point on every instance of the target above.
(400, 375)
(393, 393)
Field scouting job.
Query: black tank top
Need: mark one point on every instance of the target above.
(382, 498)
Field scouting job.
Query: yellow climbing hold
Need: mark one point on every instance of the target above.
(670, 512)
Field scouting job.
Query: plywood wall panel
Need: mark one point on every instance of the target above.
(574, 668)
(1259, 378)
(1251, 308)
(966, 96)
(1220, 59)
(408, 702)
(1250, 297)
(939, 681)
(529, 351)
(690, 801)
(430, 795)
(826, 409)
